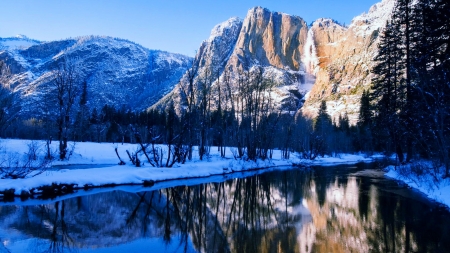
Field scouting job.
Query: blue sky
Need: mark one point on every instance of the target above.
(177, 26)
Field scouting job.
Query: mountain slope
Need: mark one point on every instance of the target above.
(118, 72)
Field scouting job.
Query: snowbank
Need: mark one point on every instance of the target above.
(95, 164)
(423, 177)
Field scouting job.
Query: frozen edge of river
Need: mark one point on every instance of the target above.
(437, 190)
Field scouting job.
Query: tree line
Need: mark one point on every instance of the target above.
(408, 109)
(215, 113)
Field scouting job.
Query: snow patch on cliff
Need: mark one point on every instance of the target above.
(219, 29)
(376, 18)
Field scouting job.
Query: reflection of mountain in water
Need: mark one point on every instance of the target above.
(322, 210)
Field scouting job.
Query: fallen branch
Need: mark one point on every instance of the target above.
(121, 161)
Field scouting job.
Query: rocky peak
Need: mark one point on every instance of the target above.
(225, 29)
(215, 51)
(328, 61)
(270, 39)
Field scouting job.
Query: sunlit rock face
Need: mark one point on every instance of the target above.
(270, 42)
(215, 51)
(117, 72)
(274, 42)
(270, 39)
(326, 61)
(345, 57)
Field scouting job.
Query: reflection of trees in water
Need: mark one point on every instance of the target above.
(356, 216)
(47, 222)
(264, 213)
(255, 214)
(93, 221)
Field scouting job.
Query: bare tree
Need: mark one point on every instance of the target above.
(66, 83)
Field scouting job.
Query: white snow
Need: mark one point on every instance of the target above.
(377, 16)
(218, 30)
(100, 165)
(17, 43)
(422, 177)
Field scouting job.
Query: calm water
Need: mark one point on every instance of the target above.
(323, 209)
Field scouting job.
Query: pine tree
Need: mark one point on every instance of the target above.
(363, 137)
(431, 56)
(323, 127)
(388, 90)
(404, 23)
(365, 113)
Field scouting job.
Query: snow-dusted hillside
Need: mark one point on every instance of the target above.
(17, 42)
(118, 72)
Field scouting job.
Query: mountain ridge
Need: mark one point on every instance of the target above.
(115, 70)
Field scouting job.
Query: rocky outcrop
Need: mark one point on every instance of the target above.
(216, 50)
(345, 61)
(327, 61)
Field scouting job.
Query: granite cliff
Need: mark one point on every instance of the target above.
(323, 61)
(345, 57)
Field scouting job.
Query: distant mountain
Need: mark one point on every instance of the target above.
(118, 72)
(326, 61)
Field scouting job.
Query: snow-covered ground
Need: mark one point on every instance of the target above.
(100, 165)
(96, 164)
(425, 177)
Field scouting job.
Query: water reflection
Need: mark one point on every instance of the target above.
(318, 210)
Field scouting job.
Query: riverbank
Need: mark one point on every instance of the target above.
(424, 177)
(96, 165)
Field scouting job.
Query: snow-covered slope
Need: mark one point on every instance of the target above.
(118, 72)
(17, 42)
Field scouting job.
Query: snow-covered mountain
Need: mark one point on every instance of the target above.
(326, 61)
(118, 72)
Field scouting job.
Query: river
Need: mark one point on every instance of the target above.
(346, 208)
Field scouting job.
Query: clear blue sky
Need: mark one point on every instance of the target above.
(171, 25)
